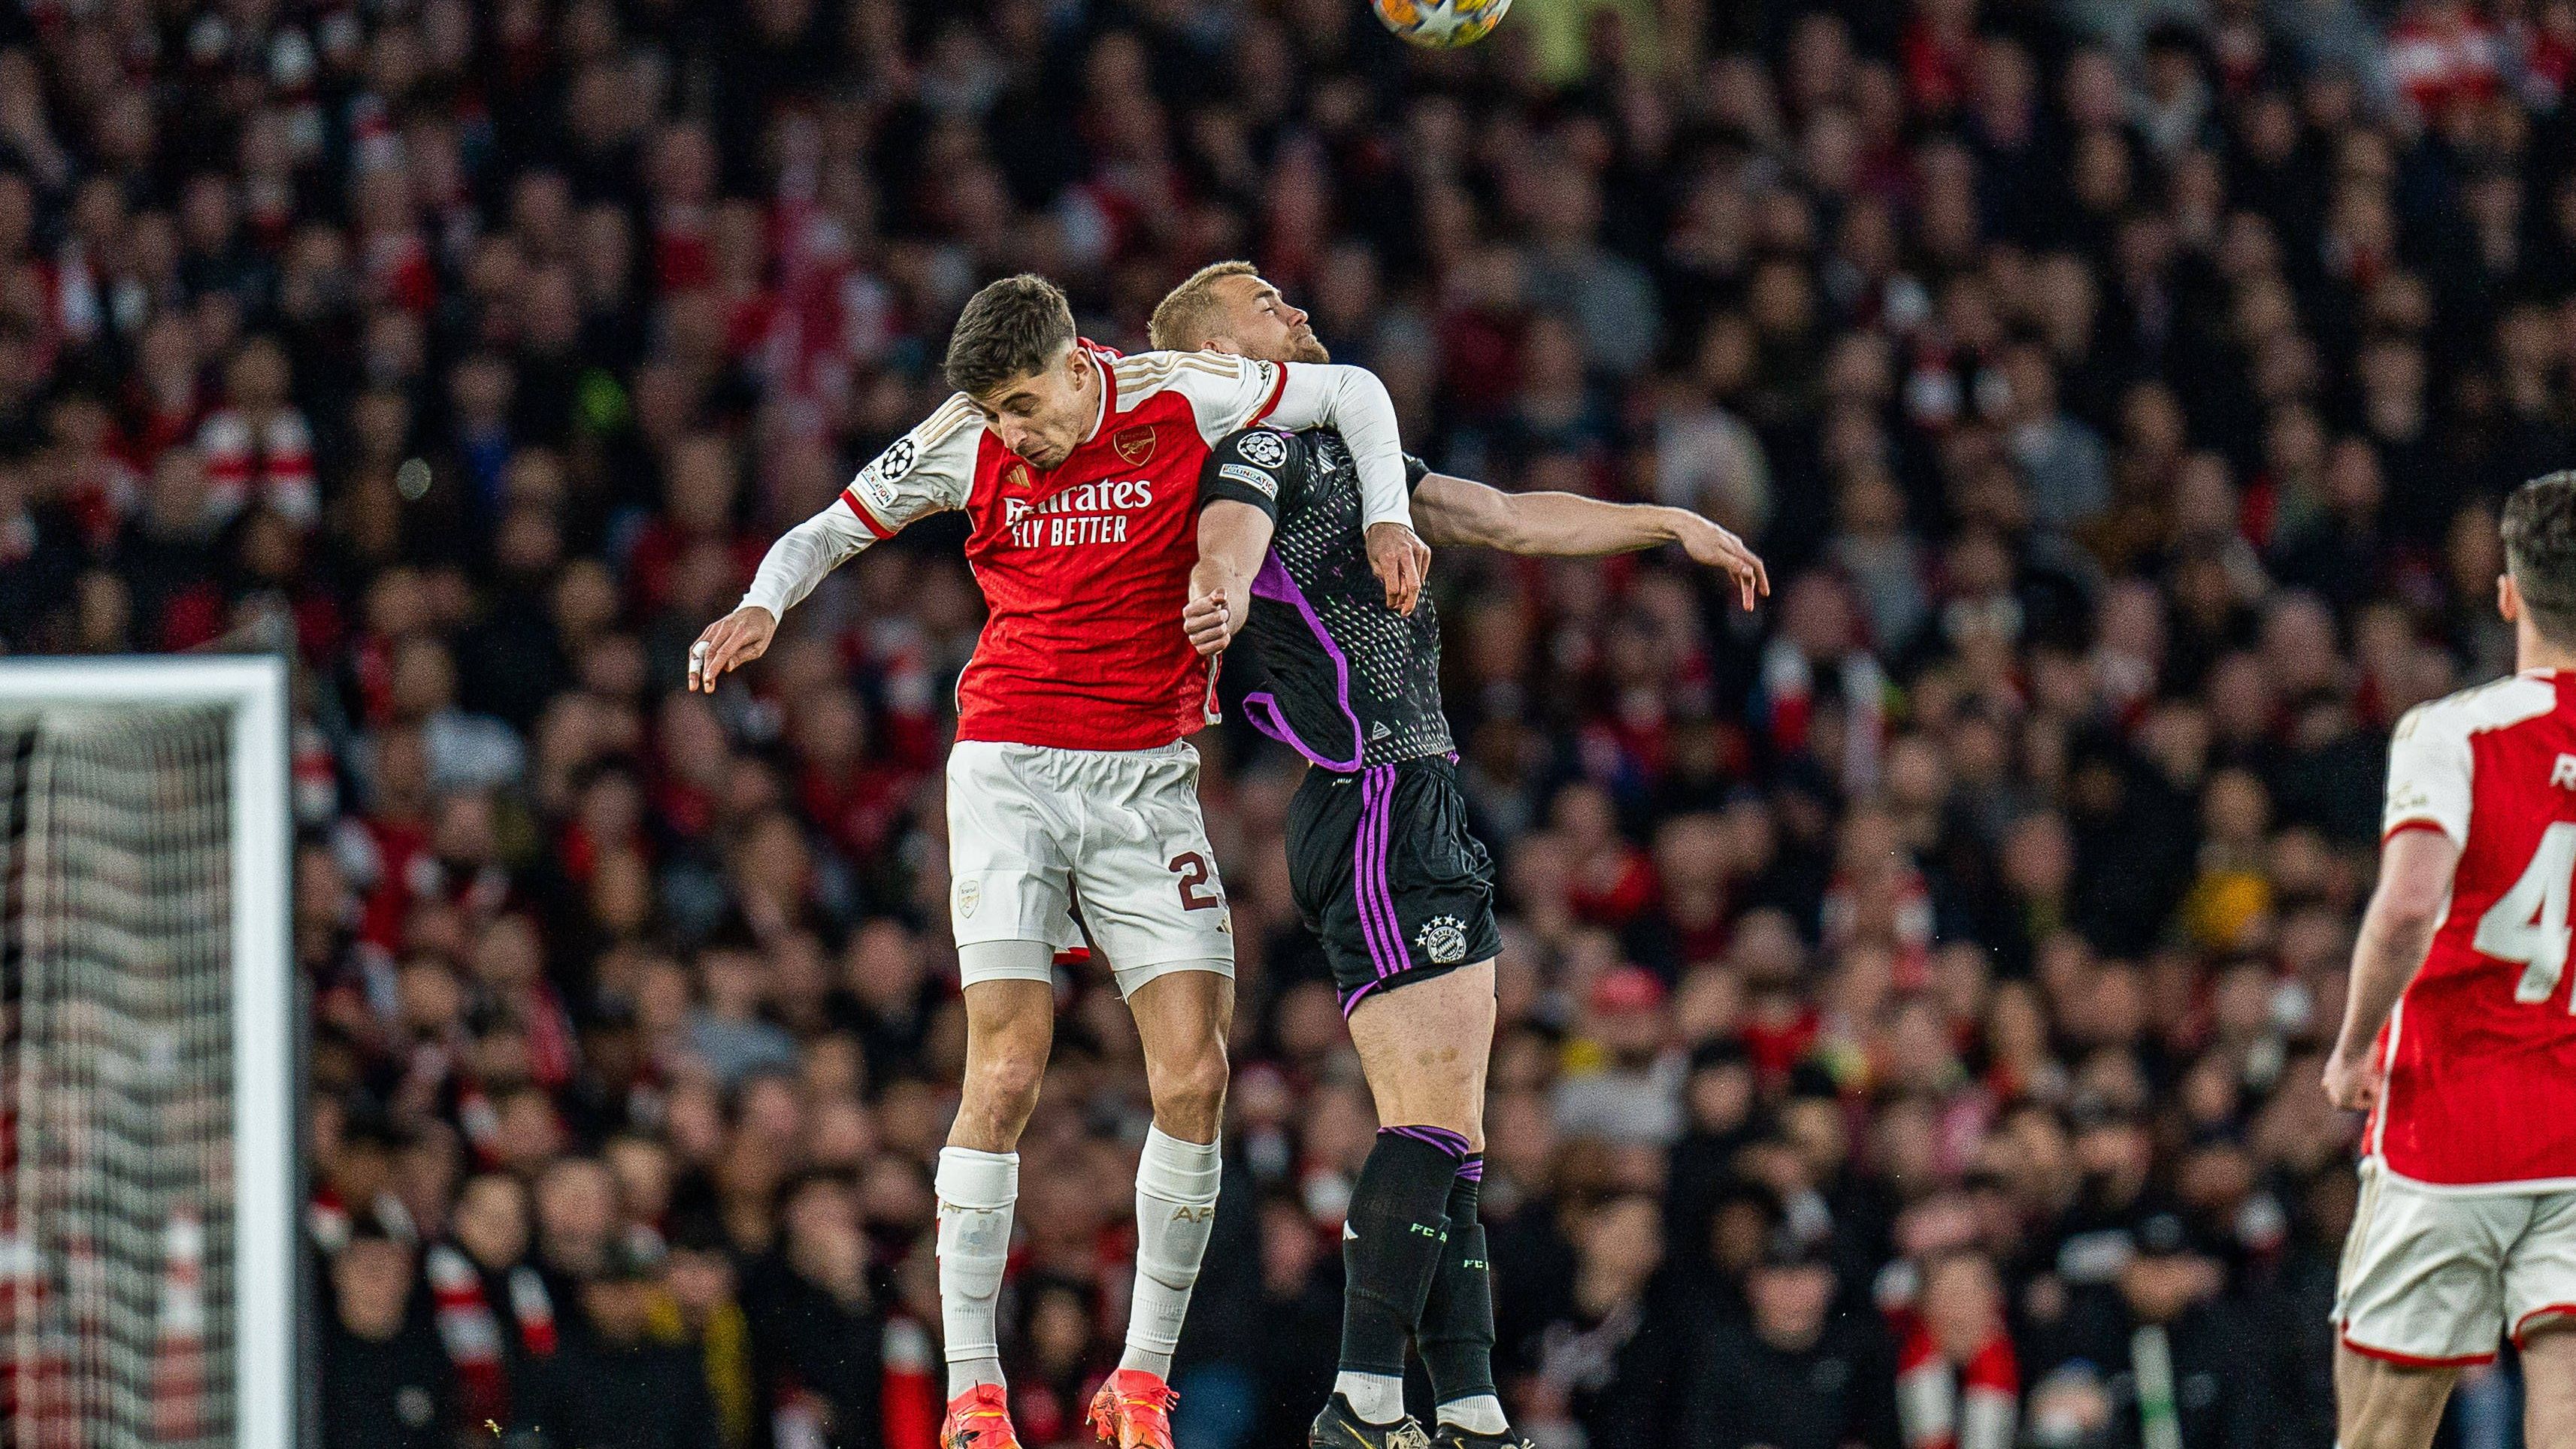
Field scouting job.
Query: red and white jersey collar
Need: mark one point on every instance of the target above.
(1101, 358)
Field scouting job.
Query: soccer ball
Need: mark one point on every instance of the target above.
(1441, 24)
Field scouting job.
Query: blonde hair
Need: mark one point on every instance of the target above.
(1186, 316)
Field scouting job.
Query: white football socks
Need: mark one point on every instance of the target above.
(1376, 1398)
(1176, 1185)
(1482, 1414)
(976, 1191)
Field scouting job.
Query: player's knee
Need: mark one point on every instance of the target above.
(1008, 1081)
(1189, 1086)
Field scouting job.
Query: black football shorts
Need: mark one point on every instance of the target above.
(1386, 873)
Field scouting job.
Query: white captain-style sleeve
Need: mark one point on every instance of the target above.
(926, 471)
(1235, 392)
(1352, 402)
(2429, 771)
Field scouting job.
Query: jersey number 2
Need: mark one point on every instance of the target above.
(1195, 896)
(2529, 922)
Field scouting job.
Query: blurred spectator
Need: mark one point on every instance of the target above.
(384, 1378)
(2120, 393)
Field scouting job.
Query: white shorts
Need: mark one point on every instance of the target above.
(1104, 848)
(2431, 1278)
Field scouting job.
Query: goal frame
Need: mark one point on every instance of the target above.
(267, 1065)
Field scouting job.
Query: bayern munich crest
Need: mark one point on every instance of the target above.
(1443, 939)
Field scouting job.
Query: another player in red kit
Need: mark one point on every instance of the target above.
(1071, 779)
(2460, 1035)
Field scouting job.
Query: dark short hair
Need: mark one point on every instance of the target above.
(1011, 329)
(2540, 551)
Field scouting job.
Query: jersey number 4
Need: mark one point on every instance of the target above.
(2528, 923)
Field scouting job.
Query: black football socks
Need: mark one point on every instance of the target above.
(1457, 1332)
(1392, 1243)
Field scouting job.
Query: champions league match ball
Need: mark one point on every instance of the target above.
(1441, 24)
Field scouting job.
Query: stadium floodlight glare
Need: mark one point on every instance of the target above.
(149, 1216)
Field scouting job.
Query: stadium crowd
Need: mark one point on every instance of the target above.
(1914, 993)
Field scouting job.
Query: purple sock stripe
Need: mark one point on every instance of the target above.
(1382, 890)
(1453, 1143)
(1473, 1169)
(1378, 946)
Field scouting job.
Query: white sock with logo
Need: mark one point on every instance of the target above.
(1176, 1186)
(976, 1193)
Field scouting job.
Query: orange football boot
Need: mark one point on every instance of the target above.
(1133, 1410)
(979, 1418)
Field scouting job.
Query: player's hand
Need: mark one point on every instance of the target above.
(730, 643)
(1709, 544)
(2352, 1079)
(1399, 558)
(1208, 622)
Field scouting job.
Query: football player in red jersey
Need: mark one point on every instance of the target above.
(2458, 1037)
(1071, 777)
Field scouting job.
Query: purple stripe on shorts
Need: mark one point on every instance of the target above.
(1473, 1169)
(1384, 954)
(1453, 1143)
(1351, 999)
(1376, 888)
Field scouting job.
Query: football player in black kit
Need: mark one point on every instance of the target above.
(1379, 854)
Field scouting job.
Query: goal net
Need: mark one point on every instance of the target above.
(147, 1056)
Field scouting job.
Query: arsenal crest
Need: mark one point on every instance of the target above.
(1135, 445)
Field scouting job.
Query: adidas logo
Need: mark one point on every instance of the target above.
(1379, 731)
(1350, 1234)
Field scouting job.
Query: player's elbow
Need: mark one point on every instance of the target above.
(2407, 913)
(2407, 906)
(1232, 537)
(1506, 525)
(1455, 511)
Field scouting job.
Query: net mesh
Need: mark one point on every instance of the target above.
(116, 1228)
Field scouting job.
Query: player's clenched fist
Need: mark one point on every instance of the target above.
(730, 643)
(2350, 1079)
(1208, 622)
(1399, 559)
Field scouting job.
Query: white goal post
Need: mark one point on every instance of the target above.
(152, 1086)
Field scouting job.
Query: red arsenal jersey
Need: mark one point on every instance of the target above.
(1084, 567)
(2481, 1049)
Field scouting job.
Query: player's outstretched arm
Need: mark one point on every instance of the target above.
(2405, 910)
(927, 469)
(1569, 525)
(788, 572)
(1232, 538)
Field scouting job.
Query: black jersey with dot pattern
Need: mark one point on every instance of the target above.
(1353, 683)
